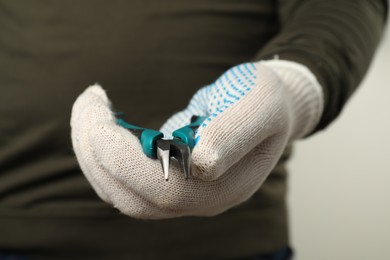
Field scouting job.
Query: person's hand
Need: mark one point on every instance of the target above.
(238, 145)
(253, 110)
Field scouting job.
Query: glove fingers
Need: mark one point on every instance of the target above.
(106, 185)
(253, 169)
(120, 153)
(92, 95)
(226, 138)
(90, 110)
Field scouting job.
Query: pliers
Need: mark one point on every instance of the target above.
(155, 146)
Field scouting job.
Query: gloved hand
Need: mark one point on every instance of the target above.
(253, 110)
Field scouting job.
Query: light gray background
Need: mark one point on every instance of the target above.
(339, 196)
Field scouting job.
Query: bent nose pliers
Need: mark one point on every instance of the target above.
(155, 146)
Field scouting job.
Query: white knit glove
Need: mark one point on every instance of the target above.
(253, 111)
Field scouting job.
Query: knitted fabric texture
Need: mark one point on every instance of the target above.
(237, 147)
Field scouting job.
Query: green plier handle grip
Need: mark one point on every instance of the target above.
(148, 137)
(187, 133)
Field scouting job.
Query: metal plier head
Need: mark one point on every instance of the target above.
(155, 146)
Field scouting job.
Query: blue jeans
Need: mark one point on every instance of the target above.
(11, 256)
(284, 253)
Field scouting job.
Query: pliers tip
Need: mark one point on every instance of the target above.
(163, 154)
(176, 149)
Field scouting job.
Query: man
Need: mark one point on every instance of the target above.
(151, 57)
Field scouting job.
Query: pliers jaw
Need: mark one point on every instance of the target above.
(179, 147)
(176, 149)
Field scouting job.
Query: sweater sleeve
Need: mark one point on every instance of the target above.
(335, 39)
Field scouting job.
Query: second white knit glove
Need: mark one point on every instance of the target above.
(253, 111)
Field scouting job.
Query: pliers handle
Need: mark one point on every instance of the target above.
(147, 137)
(187, 133)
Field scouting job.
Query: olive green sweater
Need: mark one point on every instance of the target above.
(151, 56)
